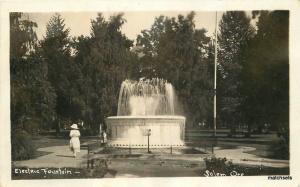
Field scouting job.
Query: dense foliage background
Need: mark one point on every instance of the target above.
(62, 79)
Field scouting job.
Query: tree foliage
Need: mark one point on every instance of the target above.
(235, 32)
(32, 96)
(178, 52)
(64, 73)
(60, 79)
(106, 60)
(266, 72)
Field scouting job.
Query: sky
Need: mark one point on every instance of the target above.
(80, 22)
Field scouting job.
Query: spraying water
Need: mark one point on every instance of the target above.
(146, 97)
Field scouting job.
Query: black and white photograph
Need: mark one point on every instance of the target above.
(150, 94)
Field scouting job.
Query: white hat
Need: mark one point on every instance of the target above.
(74, 126)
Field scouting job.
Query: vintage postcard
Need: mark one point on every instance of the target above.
(149, 93)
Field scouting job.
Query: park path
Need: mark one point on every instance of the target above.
(58, 156)
(239, 155)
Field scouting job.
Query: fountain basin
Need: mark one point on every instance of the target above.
(131, 131)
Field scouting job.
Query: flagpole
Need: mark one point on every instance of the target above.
(215, 76)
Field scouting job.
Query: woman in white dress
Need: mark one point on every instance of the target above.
(74, 142)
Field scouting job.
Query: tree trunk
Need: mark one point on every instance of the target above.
(58, 127)
(248, 134)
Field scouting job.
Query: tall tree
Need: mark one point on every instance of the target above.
(32, 96)
(106, 62)
(266, 72)
(63, 72)
(235, 31)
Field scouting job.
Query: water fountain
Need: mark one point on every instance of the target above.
(146, 106)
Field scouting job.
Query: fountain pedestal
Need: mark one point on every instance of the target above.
(131, 131)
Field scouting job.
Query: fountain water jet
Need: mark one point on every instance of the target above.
(143, 105)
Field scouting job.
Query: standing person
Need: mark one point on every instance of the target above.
(104, 137)
(74, 142)
(100, 132)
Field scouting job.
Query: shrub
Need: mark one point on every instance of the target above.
(32, 126)
(280, 149)
(220, 165)
(99, 170)
(21, 145)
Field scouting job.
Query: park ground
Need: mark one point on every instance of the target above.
(253, 154)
